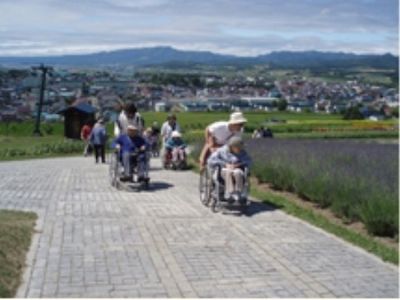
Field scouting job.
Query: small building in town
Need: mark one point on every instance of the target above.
(191, 106)
(160, 106)
(75, 116)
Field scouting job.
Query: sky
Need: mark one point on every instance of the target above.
(238, 27)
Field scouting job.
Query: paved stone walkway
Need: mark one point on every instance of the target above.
(95, 241)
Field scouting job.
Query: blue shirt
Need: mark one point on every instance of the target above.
(224, 156)
(98, 135)
(129, 144)
(174, 143)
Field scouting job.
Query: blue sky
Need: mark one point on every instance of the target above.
(239, 27)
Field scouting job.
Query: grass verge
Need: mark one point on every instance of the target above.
(368, 243)
(16, 229)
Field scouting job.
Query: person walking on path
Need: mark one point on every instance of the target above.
(128, 116)
(169, 126)
(85, 135)
(218, 134)
(98, 139)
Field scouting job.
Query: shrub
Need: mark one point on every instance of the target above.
(65, 147)
(357, 181)
(379, 213)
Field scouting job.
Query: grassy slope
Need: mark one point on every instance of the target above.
(25, 147)
(16, 229)
(24, 142)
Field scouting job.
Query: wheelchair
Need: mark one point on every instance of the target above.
(212, 191)
(116, 170)
(168, 163)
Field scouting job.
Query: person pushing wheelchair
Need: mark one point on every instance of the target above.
(132, 148)
(231, 160)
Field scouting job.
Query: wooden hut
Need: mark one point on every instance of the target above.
(75, 116)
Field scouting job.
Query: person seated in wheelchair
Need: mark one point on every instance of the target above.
(228, 164)
(175, 148)
(132, 148)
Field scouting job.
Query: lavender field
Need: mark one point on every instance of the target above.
(357, 181)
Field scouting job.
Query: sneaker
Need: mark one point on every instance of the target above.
(125, 178)
(236, 197)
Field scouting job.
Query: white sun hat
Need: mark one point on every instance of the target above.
(237, 118)
(176, 134)
(132, 127)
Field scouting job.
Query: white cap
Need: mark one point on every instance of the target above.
(237, 118)
(176, 134)
(132, 127)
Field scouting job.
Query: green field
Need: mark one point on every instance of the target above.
(24, 147)
(17, 142)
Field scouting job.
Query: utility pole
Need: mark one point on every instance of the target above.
(44, 69)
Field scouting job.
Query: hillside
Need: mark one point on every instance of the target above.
(169, 55)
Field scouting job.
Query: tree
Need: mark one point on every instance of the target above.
(282, 105)
(353, 113)
(395, 112)
(133, 98)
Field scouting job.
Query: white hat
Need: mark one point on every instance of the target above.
(176, 134)
(237, 118)
(132, 127)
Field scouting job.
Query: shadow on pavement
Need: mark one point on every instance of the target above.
(159, 185)
(257, 207)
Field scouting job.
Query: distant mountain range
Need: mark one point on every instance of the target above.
(171, 56)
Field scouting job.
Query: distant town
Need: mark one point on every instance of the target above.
(166, 90)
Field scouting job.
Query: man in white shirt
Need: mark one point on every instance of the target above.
(168, 127)
(128, 116)
(218, 134)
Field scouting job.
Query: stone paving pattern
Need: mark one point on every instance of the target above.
(96, 241)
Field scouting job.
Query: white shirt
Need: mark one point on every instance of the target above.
(166, 130)
(220, 131)
(123, 120)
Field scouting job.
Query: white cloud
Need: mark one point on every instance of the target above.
(136, 3)
(242, 27)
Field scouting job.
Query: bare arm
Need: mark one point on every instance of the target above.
(210, 139)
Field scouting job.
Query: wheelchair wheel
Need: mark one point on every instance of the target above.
(113, 170)
(204, 187)
(216, 205)
(183, 165)
(146, 184)
(244, 205)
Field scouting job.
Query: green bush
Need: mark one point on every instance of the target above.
(48, 129)
(379, 213)
(46, 149)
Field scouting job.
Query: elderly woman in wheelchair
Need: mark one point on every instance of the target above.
(229, 171)
(131, 152)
